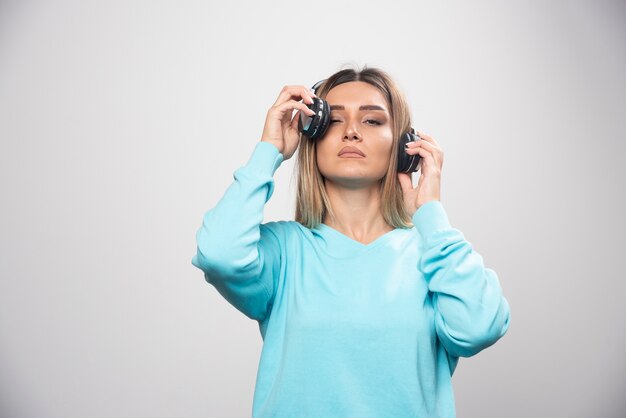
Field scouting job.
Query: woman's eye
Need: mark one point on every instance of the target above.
(369, 121)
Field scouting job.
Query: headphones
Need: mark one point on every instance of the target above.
(315, 127)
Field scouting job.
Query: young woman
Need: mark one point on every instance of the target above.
(367, 300)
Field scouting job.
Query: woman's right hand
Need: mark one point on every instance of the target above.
(280, 129)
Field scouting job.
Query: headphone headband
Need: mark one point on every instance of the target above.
(316, 85)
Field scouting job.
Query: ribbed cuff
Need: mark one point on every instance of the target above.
(431, 217)
(265, 158)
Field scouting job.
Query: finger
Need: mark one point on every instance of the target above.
(428, 145)
(299, 93)
(294, 121)
(309, 96)
(423, 135)
(294, 92)
(436, 152)
(428, 160)
(427, 138)
(292, 104)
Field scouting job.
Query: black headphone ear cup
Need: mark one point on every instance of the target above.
(315, 126)
(407, 163)
(324, 119)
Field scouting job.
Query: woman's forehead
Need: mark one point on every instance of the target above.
(355, 93)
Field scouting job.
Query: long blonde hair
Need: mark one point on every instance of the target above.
(312, 201)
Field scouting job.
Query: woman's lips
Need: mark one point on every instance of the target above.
(351, 150)
(351, 155)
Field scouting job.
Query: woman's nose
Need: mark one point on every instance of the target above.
(351, 131)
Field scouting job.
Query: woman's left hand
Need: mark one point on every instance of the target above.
(429, 184)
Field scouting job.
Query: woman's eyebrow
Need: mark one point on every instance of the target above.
(364, 107)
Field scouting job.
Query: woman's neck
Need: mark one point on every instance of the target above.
(357, 212)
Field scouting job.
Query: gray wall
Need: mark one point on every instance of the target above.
(121, 123)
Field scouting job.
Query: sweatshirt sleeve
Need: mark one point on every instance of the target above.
(240, 256)
(471, 312)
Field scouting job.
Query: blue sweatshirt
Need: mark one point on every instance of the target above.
(349, 329)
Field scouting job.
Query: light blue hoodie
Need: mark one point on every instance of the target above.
(349, 329)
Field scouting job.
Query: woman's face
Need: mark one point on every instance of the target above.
(360, 119)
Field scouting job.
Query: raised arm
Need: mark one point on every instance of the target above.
(471, 312)
(239, 255)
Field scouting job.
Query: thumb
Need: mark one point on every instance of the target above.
(405, 182)
(294, 121)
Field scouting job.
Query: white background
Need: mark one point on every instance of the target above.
(122, 122)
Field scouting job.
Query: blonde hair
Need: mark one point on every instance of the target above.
(312, 202)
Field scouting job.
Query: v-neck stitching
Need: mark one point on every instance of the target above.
(353, 242)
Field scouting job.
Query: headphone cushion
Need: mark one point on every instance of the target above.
(324, 119)
(319, 122)
(407, 163)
